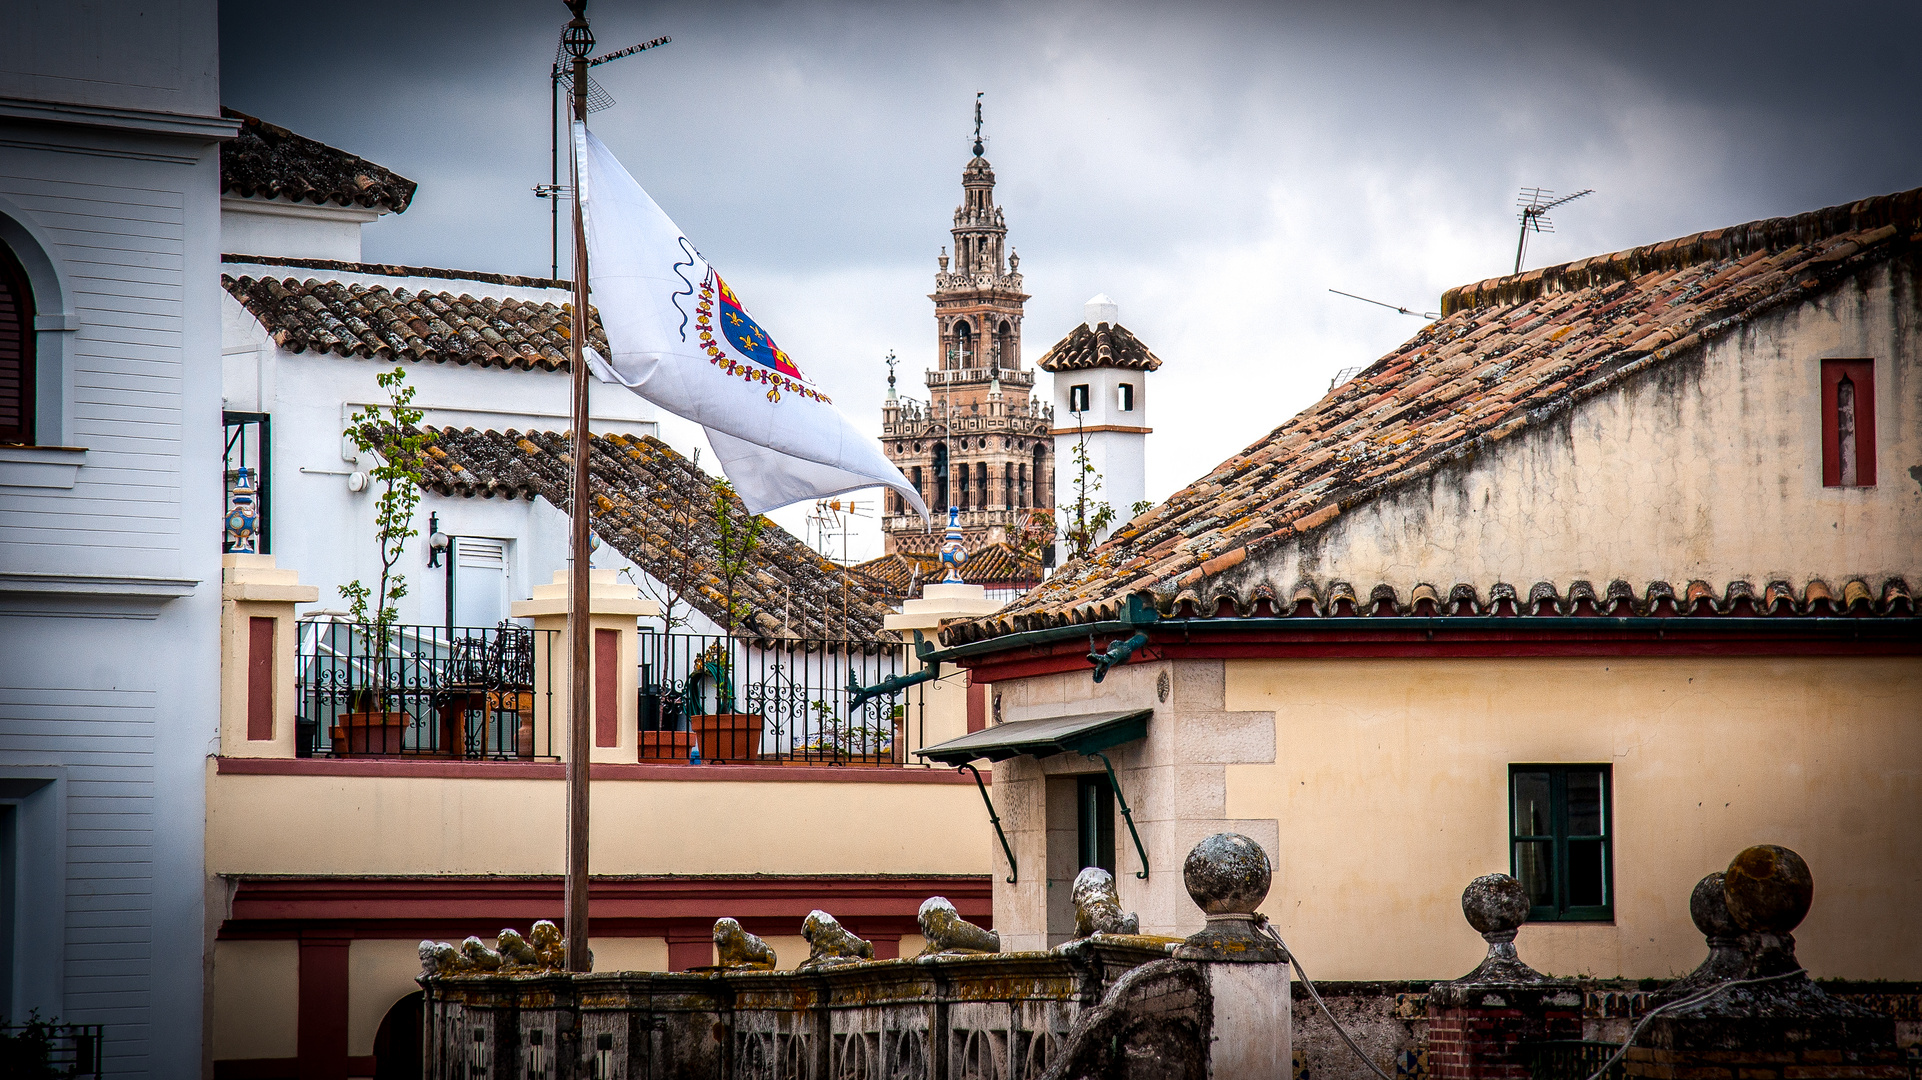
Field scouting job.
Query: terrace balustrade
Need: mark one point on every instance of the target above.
(490, 693)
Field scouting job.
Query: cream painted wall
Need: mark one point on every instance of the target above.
(1706, 468)
(627, 953)
(494, 826)
(256, 999)
(1390, 788)
(379, 973)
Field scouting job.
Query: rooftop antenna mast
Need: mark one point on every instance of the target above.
(597, 99)
(1536, 203)
(1391, 307)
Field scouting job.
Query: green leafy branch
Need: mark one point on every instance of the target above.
(390, 433)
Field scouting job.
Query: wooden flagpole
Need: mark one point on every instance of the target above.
(578, 40)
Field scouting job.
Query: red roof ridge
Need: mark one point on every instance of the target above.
(1890, 212)
(397, 270)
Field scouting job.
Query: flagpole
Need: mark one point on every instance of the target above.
(578, 40)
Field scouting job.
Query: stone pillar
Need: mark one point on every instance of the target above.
(938, 711)
(615, 609)
(1228, 876)
(258, 636)
(1477, 1024)
(1780, 1025)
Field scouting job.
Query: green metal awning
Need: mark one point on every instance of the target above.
(1087, 733)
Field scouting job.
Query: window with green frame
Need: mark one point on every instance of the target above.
(1559, 826)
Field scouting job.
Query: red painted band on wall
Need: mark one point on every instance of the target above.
(607, 682)
(260, 678)
(442, 768)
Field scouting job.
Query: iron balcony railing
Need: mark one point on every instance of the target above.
(41, 1049)
(713, 698)
(483, 693)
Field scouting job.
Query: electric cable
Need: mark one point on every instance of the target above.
(1702, 995)
(1316, 996)
(1620, 1052)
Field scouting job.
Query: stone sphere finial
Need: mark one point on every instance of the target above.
(1496, 905)
(1227, 874)
(1768, 889)
(1708, 906)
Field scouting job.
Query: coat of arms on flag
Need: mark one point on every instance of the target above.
(745, 340)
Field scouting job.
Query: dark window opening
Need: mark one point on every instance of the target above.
(248, 468)
(1021, 476)
(1559, 839)
(1078, 398)
(941, 477)
(1004, 346)
(963, 345)
(1848, 423)
(1040, 466)
(1125, 397)
(967, 475)
(16, 351)
(1094, 822)
(1007, 485)
(981, 500)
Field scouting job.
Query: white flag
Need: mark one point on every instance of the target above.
(681, 339)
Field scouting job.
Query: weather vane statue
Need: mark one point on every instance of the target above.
(977, 122)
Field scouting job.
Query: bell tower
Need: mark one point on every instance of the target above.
(980, 441)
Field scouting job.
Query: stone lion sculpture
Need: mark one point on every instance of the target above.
(1097, 906)
(439, 958)
(515, 951)
(511, 953)
(737, 949)
(478, 956)
(830, 945)
(548, 944)
(948, 932)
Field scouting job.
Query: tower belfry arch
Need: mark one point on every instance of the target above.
(980, 409)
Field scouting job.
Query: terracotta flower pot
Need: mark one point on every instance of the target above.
(728, 736)
(666, 746)
(369, 733)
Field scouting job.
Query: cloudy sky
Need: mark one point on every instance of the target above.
(1216, 168)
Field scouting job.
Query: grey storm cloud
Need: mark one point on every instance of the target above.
(1214, 167)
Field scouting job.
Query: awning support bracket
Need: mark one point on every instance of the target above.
(995, 820)
(1126, 814)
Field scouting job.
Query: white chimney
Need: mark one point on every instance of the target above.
(1100, 309)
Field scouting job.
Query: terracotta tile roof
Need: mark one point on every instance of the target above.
(269, 161)
(655, 507)
(399, 270)
(1508, 352)
(375, 322)
(1100, 346)
(993, 565)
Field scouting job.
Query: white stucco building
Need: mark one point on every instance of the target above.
(110, 500)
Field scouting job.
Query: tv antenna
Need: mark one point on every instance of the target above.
(1536, 203)
(829, 516)
(1391, 307)
(597, 99)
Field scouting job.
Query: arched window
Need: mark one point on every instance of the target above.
(16, 351)
(1007, 485)
(397, 1042)
(1040, 467)
(941, 477)
(967, 474)
(1021, 475)
(1005, 339)
(963, 345)
(981, 485)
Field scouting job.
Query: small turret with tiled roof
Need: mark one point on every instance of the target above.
(1100, 374)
